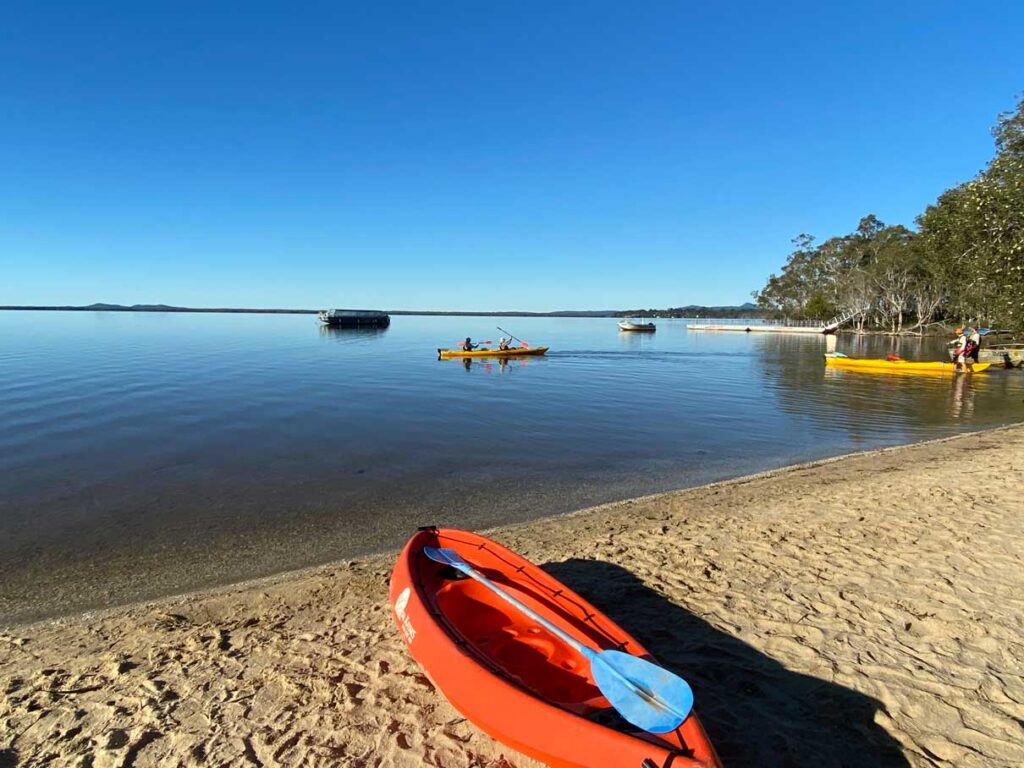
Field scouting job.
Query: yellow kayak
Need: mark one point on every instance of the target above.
(445, 354)
(895, 366)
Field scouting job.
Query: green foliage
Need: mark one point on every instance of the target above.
(966, 261)
(693, 310)
(819, 307)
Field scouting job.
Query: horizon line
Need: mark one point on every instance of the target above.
(101, 307)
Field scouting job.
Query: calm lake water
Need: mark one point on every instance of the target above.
(147, 453)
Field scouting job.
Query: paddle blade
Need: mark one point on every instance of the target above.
(648, 696)
(446, 556)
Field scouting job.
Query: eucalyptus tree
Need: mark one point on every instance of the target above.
(892, 266)
(966, 262)
(976, 231)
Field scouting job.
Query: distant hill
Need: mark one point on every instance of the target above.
(102, 307)
(133, 308)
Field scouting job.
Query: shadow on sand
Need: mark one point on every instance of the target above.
(756, 712)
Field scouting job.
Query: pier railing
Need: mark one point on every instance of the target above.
(844, 318)
(784, 324)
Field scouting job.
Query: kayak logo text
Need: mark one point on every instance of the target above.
(404, 623)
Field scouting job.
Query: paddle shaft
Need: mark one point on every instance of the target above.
(588, 653)
(597, 659)
(510, 335)
(467, 569)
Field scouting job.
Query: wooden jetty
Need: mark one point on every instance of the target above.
(830, 326)
(757, 328)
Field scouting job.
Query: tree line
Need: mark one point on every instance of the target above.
(964, 263)
(694, 310)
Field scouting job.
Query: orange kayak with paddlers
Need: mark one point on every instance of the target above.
(525, 658)
(444, 354)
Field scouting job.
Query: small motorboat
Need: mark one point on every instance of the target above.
(514, 677)
(1003, 355)
(629, 325)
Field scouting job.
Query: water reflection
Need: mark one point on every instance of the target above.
(141, 432)
(499, 365)
(872, 406)
(337, 333)
(917, 348)
(961, 401)
(634, 340)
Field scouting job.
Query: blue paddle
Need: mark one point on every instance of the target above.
(648, 696)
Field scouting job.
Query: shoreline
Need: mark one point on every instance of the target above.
(599, 314)
(273, 579)
(584, 314)
(855, 610)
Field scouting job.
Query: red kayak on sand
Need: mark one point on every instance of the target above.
(514, 679)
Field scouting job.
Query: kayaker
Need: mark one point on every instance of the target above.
(972, 345)
(976, 338)
(468, 345)
(502, 343)
(958, 348)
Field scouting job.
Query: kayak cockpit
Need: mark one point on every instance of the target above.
(517, 647)
(502, 666)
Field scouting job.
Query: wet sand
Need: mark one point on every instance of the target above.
(863, 611)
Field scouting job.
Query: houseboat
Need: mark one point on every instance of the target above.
(354, 318)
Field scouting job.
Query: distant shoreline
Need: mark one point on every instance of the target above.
(427, 313)
(162, 309)
(251, 311)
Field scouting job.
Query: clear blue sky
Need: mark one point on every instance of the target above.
(473, 155)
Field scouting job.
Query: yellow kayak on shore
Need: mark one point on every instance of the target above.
(895, 366)
(445, 354)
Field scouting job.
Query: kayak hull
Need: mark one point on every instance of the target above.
(447, 354)
(897, 366)
(510, 677)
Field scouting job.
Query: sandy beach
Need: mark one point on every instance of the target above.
(865, 611)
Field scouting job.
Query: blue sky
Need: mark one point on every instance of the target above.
(473, 155)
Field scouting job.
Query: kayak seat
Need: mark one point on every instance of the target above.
(524, 651)
(471, 618)
(546, 665)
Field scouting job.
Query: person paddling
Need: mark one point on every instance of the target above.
(503, 343)
(468, 345)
